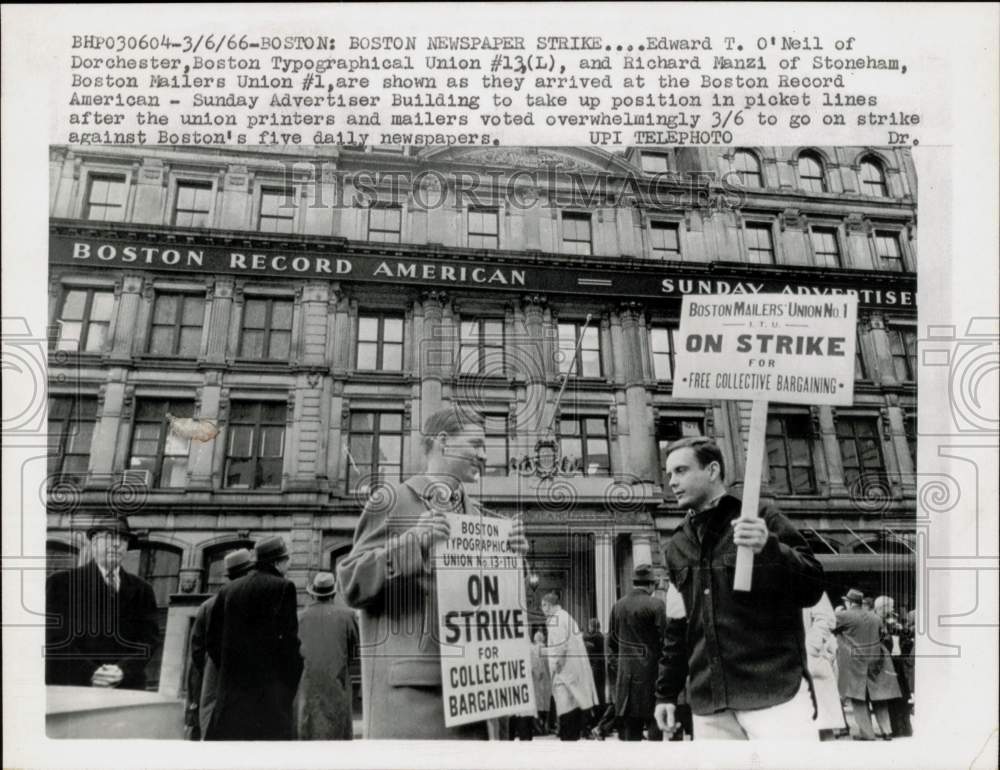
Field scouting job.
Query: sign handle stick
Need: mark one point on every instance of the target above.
(751, 490)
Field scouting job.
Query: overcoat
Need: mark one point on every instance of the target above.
(202, 675)
(635, 637)
(541, 677)
(390, 577)
(89, 625)
(864, 664)
(253, 642)
(821, 647)
(329, 636)
(569, 665)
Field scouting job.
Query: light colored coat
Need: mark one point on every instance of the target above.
(329, 635)
(572, 680)
(821, 645)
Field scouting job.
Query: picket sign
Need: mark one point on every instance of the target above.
(785, 348)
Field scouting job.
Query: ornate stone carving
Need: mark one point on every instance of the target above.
(524, 157)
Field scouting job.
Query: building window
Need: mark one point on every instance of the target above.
(790, 455)
(665, 239)
(873, 179)
(266, 334)
(585, 362)
(214, 563)
(84, 320)
(71, 429)
(825, 246)
(811, 176)
(860, 370)
(178, 320)
(277, 210)
(888, 250)
(760, 246)
(860, 452)
(155, 448)
(910, 428)
(903, 346)
(662, 340)
(747, 169)
(655, 162)
(385, 224)
(380, 343)
(497, 444)
(484, 229)
(256, 445)
(106, 196)
(482, 347)
(375, 449)
(584, 445)
(193, 204)
(576, 237)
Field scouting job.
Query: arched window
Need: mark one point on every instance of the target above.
(160, 566)
(811, 175)
(873, 179)
(214, 563)
(747, 169)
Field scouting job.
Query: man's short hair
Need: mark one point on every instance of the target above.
(552, 597)
(450, 420)
(705, 449)
(595, 624)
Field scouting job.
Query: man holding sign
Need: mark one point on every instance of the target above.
(741, 652)
(392, 576)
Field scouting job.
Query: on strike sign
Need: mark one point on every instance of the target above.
(483, 623)
(772, 347)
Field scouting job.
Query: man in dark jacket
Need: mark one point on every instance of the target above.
(593, 640)
(635, 637)
(202, 676)
(253, 642)
(742, 653)
(101, 627)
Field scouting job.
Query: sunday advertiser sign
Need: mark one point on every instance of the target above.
(335, 261)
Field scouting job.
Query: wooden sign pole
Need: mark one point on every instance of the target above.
(751, 490)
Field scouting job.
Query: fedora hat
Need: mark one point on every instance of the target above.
(271, 549)
(854, 595)
(108, 523)
(643, 575)
(323, 584)
(238, 562)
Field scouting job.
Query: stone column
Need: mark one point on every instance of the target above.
(110, 402)
(532, 350)
(641, 444)
(604, 576)
(219, 303)
(202, 453)
(897, 425)
(125, 327)
(879, 341)
(828, 435)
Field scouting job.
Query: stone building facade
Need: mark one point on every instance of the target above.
(297, 314)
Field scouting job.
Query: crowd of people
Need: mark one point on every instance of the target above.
(686, 655)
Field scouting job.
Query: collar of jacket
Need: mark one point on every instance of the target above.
(268, 568)
(424, 488)
(716, 518)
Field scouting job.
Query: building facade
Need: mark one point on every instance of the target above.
(245, 340)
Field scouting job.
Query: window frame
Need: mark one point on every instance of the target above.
(375, 468)
(267, 329)
(494, 435)
(284, 193)
(671, 330)
(380, 341)
(85, 319)
(57, 471)
(655, 224)
(741, 174)
(470, 234)
(170, 405)
(190, 183)
(584, 437)
(854, 420)
(664, 156)
(384, 206)
(838, 255)
(98, 175)
(906, 335)
(255, 445)
(662, 417)
(757, 225)
(576, 369)
(483, 345)
(813, 157)
(881, 184)
(178, 324)
(882, 262)
(578, 217)
(785, 436)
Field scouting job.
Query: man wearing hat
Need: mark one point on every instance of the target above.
(635, 636)
(329, 635)
(202, 675)
(864, 669)
(102, 622)
(253, 641)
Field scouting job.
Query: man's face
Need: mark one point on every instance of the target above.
(109, 548)
(464, 453)
(547, 608)
(692, 485)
